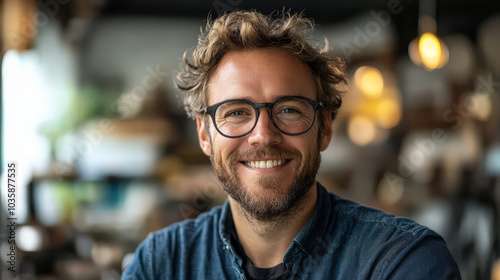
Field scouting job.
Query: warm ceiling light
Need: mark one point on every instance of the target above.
(432, 51)
(370, 80)
(361, 130)
(428, 50)
(388, 113)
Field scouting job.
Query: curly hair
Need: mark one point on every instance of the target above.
(248, 30)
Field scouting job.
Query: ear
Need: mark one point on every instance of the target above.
(203, 136)
(327, 132)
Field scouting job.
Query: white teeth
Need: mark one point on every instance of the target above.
(264, 163)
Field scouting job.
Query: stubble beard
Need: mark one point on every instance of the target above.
(277, 203)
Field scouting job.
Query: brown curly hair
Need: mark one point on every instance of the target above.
(247, 30)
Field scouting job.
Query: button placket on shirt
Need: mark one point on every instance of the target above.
(237, 262)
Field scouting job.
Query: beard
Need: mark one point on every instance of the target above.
(276, 203)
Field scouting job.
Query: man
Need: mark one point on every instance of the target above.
(264, 100)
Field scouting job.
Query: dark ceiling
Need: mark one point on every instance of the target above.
(453, 17)
(323, 10)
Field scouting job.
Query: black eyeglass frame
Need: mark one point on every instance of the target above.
(210, 110)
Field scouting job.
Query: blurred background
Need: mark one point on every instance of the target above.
(105, 153)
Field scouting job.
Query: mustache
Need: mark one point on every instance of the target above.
(265, 152)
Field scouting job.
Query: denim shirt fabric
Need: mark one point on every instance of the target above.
(343, 240)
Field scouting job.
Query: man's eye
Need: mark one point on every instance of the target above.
(236, 113)
(288, 111)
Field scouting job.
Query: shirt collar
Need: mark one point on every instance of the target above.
(308, 239)
(312, 235)
(226, 226)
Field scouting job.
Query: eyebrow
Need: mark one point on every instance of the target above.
(274, 97)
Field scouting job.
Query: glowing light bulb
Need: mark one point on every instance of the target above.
(361, 130)
(428, 50)
(388, 113)
(370, 80)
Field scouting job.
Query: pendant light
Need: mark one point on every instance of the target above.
(428, 50)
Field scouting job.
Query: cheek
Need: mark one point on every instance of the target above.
(312, 136)
(309, 146)
(224, 146)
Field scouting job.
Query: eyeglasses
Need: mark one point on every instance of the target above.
(291, 115)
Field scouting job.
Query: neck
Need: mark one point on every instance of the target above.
(266, 242)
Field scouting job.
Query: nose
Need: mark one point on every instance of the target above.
(264, 132)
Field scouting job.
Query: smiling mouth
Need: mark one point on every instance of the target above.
(266, 163)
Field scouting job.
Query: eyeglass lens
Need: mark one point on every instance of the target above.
(290, 115)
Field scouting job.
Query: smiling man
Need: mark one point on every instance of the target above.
(264, 100)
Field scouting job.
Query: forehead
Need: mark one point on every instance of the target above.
(260, 75)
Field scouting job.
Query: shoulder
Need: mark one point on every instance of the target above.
(363, 216)
(396, 247)
(187, 230)
(166, 252)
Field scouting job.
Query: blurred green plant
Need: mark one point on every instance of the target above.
(88, 102)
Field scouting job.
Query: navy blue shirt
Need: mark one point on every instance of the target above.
(343, 240)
